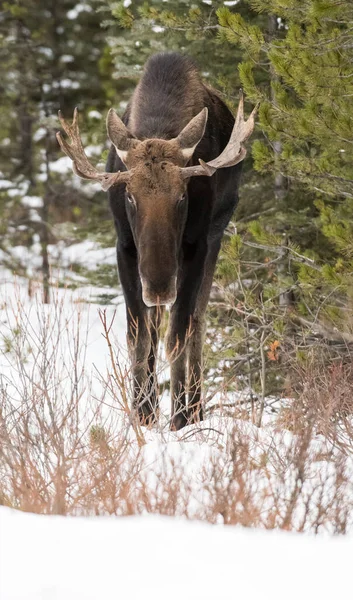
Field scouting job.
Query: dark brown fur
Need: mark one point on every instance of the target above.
(173, 85)
(170, 230)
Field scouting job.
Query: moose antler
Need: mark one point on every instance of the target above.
(80, 163)
(234, 152)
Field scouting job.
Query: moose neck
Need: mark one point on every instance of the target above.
(159, 108)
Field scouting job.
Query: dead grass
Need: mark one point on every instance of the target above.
(66, 449)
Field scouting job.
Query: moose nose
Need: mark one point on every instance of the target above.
(158, 295)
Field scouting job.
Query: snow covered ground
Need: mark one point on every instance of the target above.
(47, 558)
(55, 369)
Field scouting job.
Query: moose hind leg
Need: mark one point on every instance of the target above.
(176, 352)
(195, 410)
(178, 394)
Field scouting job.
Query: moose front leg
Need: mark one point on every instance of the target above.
(184, 350)
(155, 317)
(142, 337)
(176, 352)
(180, 332)
(186, 336)
(140, 351)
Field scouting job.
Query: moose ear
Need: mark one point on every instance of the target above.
(119, 135)
(192, 134)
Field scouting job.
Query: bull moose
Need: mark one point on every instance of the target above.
(172, 175)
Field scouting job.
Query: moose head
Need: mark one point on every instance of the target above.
(156, 179)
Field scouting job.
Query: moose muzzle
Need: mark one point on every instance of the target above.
(159, 292)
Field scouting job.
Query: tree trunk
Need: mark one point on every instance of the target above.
(44, 231)
(280, 180)
(25, 121)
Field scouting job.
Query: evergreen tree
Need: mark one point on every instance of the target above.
(143, 28)
(292, 266)
(52, 56)
(294, 218)
(308, 111)
(286, 277)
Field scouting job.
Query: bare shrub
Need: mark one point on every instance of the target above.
(321, 393)
(69, 442)
(51, 422)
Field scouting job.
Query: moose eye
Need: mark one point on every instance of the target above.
(131, 199)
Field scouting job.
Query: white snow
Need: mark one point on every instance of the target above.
(81, 7)
(34, 216)
(5, 183)
(158, 29)
(32, 201)
(20, 190)
(154, 557)
(86, 253)
(69, 84)
(62, 165)
(39, 134)
(48, 52)
(67, 58)
(93, 149)
(94, 114)
(159, 558)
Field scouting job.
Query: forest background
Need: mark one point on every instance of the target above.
(281, 310)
